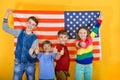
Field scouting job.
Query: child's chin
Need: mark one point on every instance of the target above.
(83, 38)
(63, 43)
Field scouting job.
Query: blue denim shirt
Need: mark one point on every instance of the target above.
(24, 43)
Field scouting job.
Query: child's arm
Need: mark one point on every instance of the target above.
(80, 44)
(97, 26)
(33, 52)
(5, 26)
(58, 54)
(99, 21)
(37, 50)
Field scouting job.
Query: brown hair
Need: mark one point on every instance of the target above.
(46, 42)
(34, 19)
(64, 32)
(83, 27)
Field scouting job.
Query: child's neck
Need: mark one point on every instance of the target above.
(63, 43)
(83, 39)
(46, 52)
(28, 32)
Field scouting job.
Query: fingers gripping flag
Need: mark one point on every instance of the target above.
(50, 22)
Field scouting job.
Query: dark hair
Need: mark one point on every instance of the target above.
(34, 19)
(64, 32)
(83, 27)
(46, 42)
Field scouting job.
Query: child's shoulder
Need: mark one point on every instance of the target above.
(60, 46)
(40, 53)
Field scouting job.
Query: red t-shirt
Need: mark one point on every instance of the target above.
(63, 63)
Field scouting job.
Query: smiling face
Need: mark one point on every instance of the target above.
(30, 25)
(82, 34)
(47, 48)
(63, 38)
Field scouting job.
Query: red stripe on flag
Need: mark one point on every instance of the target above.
(96, 51)
(96, 58)
(72, 60)
(47, 37)
(40, 20)
(70, 44)
(20, 19)
(52, 20)
(19, 27)
(48, 28)
(95, 43)
(14, 43)
(37, 12)
(67, 44)
(72, 52)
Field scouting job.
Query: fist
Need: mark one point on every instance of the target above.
(83, 44)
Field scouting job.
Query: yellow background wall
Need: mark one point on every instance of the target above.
(106, 69)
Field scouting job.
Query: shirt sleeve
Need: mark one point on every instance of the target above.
(53, 55)
(39, 55)
(96, 29)
(77, 43)
(12, 31)
(35, 44)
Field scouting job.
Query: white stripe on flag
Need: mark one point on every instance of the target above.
(44, 33)
(44, 16)
(41, 24)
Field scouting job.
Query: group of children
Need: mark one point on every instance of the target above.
(27, 52)
(59, 53)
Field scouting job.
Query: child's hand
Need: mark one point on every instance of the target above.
(8, 12)
(31, 50)
(100, 16)
(62, 51)
(83, 44)
(36, 50)
(55, 50)
(59, 54)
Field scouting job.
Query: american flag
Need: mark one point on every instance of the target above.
(50, 22)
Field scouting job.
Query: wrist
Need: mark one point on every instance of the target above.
(6, 17)
(5, 20)
(99, 21)
(79, 44)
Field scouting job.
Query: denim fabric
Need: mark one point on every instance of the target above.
(24, 43)
(20, 68)
(83, 70)
(24, 62)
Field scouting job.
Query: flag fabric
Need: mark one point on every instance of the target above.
(50, 22)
